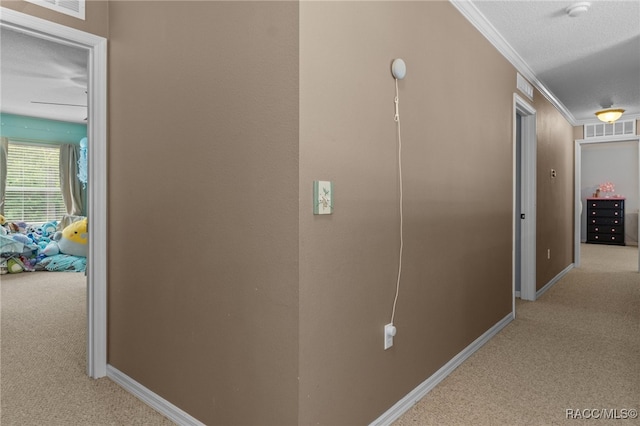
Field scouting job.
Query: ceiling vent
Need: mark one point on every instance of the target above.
(74, 8)
(602, 130)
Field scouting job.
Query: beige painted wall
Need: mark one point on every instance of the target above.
(456, 280)
(203, 197)
(555, 196)
(96, 15)
(227, 296)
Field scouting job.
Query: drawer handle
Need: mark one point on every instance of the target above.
(615, 221)
(616, 204)
(596, 237)
(616, 213)
(593, 213)
(613, 238)
(593, 205)
(597, 229)
(613, 229)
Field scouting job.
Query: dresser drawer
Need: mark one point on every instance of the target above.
(605, 213)
(606, 204)
(605, 238)
(605, 229)
(605, 220)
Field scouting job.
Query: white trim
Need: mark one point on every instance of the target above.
(60, 7)
(553, 281)
(402, 406)
(480, 22)
(605, 139)
(577, 227)
(97, 158)
(152, 399)
(528, 198)
(577, 201)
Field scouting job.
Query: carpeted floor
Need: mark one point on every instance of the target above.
(576, 348)
(43, 377)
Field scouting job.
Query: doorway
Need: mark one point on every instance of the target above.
(96, 47)
(579, 145)
(524, 200)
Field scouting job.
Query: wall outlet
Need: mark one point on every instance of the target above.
(389, 332)
(548, 253)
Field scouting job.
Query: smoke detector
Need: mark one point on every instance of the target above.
(578, 9)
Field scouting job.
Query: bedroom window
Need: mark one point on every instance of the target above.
(33, 184)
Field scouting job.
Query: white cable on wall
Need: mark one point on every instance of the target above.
(398, 70)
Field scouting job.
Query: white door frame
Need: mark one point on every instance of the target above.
(97, 172)
(528, 199)
(578, 189)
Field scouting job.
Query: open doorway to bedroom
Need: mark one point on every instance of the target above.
(43, 184)
(43, 203)
(93, 206)
(607, 171)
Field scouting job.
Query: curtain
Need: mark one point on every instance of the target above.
(4, 150)
(72, 189)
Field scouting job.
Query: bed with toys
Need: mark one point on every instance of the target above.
(53, 246)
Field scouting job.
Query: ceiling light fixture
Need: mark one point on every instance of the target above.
(609, 115)
(578, 9)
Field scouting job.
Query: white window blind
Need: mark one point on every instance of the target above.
(33, 184)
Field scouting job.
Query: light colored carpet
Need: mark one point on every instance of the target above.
(43, 377)
(575, 348)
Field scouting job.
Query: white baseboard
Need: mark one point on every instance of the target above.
(402, 406)
(153, 400)
(553, 281)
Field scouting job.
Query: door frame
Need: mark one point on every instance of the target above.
(97, 171)
(578, 186)
(527, 192)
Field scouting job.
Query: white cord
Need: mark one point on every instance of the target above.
(396, 118)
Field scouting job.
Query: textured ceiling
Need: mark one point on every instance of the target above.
(584, 62)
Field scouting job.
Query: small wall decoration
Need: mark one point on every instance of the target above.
(322, 197)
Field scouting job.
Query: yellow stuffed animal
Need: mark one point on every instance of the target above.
(74, 239)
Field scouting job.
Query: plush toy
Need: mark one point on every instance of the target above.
(22, 239)
(14, 266)
(49, 228)
(2, 220)
(73, 239)
(50, 249)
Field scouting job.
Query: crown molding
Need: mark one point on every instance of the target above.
(480, 22)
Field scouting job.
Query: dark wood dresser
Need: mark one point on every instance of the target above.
(605, 221)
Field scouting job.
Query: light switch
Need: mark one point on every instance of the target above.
(322, 197)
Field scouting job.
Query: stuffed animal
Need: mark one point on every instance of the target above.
(49, 228)
(50, 249)
(14, 266)
(74, 239)
(22, 239)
